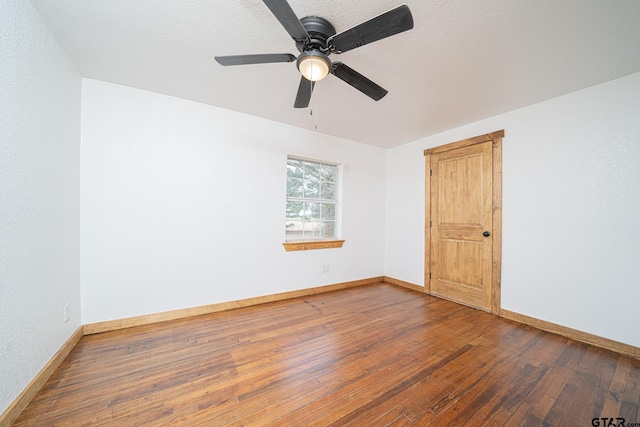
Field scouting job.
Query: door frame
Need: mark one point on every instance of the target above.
(496, 232)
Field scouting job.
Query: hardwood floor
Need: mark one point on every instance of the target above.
(372, 355)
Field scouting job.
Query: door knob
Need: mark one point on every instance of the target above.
(486, 234)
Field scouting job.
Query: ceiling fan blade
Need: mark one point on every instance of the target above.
(304, 93)
(287, 17)
(358, 81)
(393, 22)
(263, 58)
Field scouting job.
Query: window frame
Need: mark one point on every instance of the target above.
(320, 242)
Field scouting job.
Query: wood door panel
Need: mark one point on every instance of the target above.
(459, 177)
(458, 262)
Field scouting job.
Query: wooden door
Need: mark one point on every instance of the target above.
(461, 225)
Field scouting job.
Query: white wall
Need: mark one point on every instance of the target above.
(571, 229)
(39, 197)
(183, 205)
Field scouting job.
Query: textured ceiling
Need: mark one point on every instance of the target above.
(465, 60)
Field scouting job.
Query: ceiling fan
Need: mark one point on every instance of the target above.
(316, 39)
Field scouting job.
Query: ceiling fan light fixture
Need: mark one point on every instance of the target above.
(314, 65)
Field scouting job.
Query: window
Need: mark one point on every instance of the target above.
(312, 190)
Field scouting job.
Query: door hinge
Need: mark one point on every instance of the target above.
(430, 172)
(429, 275)
(430, 223)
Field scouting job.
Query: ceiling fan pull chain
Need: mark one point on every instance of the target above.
(315, 107)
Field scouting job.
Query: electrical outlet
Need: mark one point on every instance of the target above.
(66, 312)
(325, 268)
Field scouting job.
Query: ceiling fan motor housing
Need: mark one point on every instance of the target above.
(319, 30)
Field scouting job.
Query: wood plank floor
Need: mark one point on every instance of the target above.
(372, 355)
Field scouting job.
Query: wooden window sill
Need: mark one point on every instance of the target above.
(312, 244)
